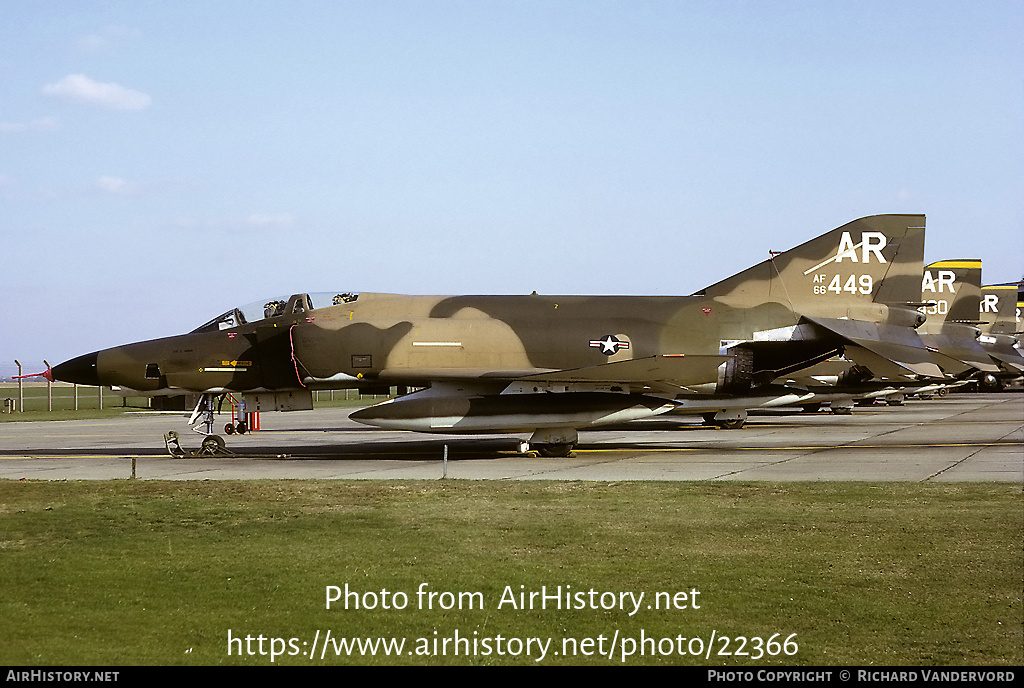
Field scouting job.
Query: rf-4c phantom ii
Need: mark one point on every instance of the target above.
(551, 365)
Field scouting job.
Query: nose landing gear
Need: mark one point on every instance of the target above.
(201, 421)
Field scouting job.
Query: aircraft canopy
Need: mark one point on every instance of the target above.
(275, 308)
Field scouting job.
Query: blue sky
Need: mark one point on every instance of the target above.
(163, 161)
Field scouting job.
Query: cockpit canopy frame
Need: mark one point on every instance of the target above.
(269, 309)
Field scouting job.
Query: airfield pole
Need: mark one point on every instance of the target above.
(49, 389)
(76, 396)
(21, 392)
(100, 390)
(444, 463)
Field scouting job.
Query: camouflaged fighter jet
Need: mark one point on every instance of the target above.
(1000, 309)
(550, 365)
(952, 289)
(1001, 329)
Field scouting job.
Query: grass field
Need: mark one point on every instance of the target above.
(151, 572)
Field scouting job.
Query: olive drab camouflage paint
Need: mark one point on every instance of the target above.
(952, 293)
(1001, 327)
(952, 290)
(1000, 309)
(550, 365)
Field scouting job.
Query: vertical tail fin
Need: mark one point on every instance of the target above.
(877, 259)
(952, 289)
(1000, 309)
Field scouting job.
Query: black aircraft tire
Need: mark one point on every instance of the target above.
(229, 429)
(213, 442)
(552, 451)
(730, 424)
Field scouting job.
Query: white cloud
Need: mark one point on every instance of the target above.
(80, 88)
(41, 124)
(116, 185)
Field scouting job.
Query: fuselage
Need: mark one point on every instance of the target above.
(418, 340)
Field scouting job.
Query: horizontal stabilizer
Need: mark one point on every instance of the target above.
(963, 350)
(886, 350)
(679, 369)
(1013, 362)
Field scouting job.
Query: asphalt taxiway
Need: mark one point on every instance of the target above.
(963, 437)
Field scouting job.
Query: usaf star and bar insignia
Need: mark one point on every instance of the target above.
(609, 344)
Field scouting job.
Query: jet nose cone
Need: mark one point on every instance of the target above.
(81, 370)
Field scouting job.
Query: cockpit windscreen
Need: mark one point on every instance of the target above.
(275, 308)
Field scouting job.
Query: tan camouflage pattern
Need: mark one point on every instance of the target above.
(854, 289)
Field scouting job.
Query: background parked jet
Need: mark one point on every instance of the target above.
(951, 290)
(1001, 327)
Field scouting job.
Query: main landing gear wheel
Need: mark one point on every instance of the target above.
(730, 424)
(554, 450)
(726, 420)
(554, 442)
(990, 383)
